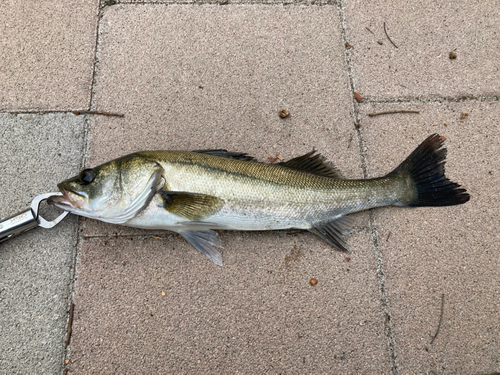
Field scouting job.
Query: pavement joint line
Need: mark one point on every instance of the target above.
(76, 112)
(459, 99)
(97, 53)
(448, 99)
(383, 294)
(85, 145)
(73, 272)
(372, 223)
(170, 234)
(71, 297)
(222, 3)
(355, 105)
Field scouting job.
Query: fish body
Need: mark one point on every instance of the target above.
(193, 193)
(258, 196)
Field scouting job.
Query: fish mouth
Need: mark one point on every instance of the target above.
(68, 201)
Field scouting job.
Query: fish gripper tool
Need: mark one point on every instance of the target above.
(28, 219)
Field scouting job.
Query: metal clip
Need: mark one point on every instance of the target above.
(28, 219)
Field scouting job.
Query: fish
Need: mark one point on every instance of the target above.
(196, 193)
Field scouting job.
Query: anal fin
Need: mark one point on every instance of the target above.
(204, 241)
(334, 231)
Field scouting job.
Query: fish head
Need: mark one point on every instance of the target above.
(113, 192)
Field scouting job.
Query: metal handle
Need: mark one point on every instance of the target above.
(28, 219)
(17, 224)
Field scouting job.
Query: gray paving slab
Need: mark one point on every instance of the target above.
(450, 251)
(35, 268)
(425, 33)
(47, 54)
(158, 306)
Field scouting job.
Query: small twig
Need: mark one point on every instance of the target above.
(70, 323)
(390, 113)
(389, 235)
(370, 31)
(388, 37)
(440, 319)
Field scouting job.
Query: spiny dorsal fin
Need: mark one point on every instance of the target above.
(313, 163)
(334, 231)
(226, 154)
(191, 206)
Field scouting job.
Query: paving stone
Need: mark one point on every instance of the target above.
(35, 267)
(425, 33)
(157, 305)
(452, 251)
(47, 54)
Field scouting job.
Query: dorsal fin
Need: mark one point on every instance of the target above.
(226, 154)
(313, 163)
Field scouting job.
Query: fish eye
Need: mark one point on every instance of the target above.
(86, 176)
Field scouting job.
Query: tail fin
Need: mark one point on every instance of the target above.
(425, 166)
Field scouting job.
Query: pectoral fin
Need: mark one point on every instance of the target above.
(191, 206)
(333, 232)
(204, 241)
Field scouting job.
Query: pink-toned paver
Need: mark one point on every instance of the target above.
(214, 77)
(211, 77)
(425, 33)
(450, 251)
(158, 306)
(47, 54)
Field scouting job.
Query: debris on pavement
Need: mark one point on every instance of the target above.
(387, 35)
(284, 113)
(440, 319)
(390, 113)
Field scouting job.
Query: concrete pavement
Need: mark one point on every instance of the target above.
(213, 75)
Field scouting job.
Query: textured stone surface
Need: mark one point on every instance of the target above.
(46, 54)
(202, 76)
(428, 252)
(35, 267)
(236, 2)
(210, 77)
(425, 32)
(157, 305)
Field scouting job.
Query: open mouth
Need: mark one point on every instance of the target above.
(66, 201)
(59, 201)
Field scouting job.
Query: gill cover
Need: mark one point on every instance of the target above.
(113, 192)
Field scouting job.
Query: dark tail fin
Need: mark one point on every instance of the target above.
(426, 168)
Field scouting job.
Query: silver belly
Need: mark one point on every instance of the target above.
(230, 217)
